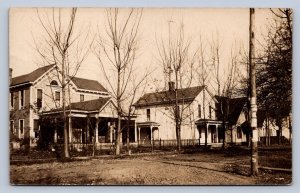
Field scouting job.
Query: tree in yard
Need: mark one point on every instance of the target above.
(137, 88)
(274, 82)
(118, 52)
(177, 60)
(202, 75)
(226, 81)
(61, 45)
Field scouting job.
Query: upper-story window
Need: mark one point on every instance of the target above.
(39, 98)
(12, 99)
(22, 98)
(210, 111)
(57, 96)
(53, 83)
(81, 97)
(148, 115)
(199, 111)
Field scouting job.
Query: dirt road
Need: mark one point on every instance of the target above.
(135, 171)
(215, 167)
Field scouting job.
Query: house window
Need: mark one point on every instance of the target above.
(57, 96)
(239, 132)
(39, 98)
(21, 126)
(22, 98)
(199, 111)
(11, 125)
(81, 98)
(53, 83)
(12, 99)
(210, 108)
(148, 114)
(36, 128)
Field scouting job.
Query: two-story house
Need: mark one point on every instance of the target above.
(198, 109)
(38, 95)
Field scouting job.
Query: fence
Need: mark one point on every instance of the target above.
(157, 144)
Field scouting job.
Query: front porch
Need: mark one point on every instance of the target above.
(210, 132)
(147, 131)
(82, 129)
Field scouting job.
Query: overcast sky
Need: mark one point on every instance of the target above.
(231, 25)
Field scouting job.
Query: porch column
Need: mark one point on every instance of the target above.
(96, 130)
(114, 133)
(55, 131)
(217, 132)
(139, 128)
(135, 132)
(110, 132)
(151, 134)
(70, 128)
(87, 132)
(206, 137)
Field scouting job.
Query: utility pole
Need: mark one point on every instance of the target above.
(253, 106)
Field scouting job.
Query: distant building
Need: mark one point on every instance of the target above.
(267, 127)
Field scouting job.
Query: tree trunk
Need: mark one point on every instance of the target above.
(290, 128)
(205, 129)
(268, 142)
(127, 136)
(224, 145)
(118, 134)
(66, 133)
(178, 135)
(280, 135)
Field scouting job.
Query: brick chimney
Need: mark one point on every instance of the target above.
(171, 86)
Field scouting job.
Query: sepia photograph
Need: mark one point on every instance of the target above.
(150, 96)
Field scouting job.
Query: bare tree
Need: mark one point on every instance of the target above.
(226, 81)
(118, 50)
(202, 74)
(61, 46)
(136, 90)
(177, 59)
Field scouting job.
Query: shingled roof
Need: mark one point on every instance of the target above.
(81, 83)
(30, 77)
(87, 84)
(236, 106)
(91, 105)
(168, 97)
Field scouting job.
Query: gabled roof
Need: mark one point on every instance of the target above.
(91, 105)
(81, 83)
(236, 106)
(168, 97)
(87, 84)
(30, 77)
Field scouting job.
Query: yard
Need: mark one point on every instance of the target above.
(209, 167)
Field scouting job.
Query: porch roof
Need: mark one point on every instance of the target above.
(148, 124)
(205, 121)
